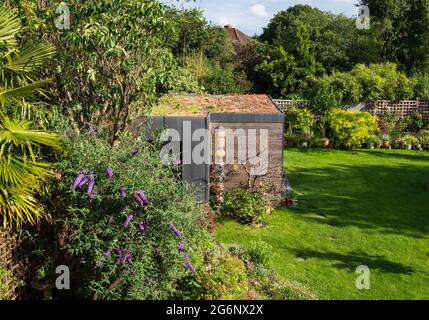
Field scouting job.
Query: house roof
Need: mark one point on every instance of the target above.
(236, 35)
(202, 105)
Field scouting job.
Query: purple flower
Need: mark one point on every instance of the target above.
(93, 194)
(126, 258)
(91, 184)
(127, 222)
(78, 179)
(99, 264)
(123, 191)
(181, 246)
(173, 229)
(118, 252)
(83, 182)
(109, 173)
(143, 227)
(141, 198)
(176, 163)
(91, 128)
(189, 264)
(157, 251)
(127, 240)
(108, 253)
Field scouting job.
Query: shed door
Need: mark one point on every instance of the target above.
(194, 173)
(198, 174)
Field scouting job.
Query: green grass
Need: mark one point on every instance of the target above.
(364, 208)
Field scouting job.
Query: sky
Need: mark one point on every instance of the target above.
(250, 16)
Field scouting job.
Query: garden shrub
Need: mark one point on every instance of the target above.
(220, 276)
(422, 86)
(269, 286)
(351, 129)
(132, 223)
(260, 253)
(423, 138)
(246, 206)
(299, 120)
(392, 126)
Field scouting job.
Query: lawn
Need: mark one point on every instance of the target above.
(356, 208)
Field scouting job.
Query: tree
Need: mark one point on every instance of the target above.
(285, 73)
(22, 172)
(335, 40)
(402, 27)
(114, 60)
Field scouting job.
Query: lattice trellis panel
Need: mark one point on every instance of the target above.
(286, 104)
(403, 108)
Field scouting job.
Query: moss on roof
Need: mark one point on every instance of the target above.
(201, 105)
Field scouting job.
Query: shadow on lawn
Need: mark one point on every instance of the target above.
(391, 199)
(354, 259)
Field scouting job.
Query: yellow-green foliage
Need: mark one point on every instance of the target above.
(171, 105)
(4, 286)
(351, 129)
(299, 120)
(221, 276)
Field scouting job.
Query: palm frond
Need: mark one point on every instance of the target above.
(20, 92)
(9, 27)
(30, 58)
(13, 171)
(17, 132)
(18, 205)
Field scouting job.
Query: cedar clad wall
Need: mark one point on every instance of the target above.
(236, 174)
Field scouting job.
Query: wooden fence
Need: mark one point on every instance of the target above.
(14, 257)
(286, 104)
(403, 108)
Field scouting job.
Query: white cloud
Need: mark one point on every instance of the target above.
(258, 10)
(223, 21)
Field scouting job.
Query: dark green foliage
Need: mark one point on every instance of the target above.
(422, 86)
(111, 63)
(225, 81)
(335, 40)
(402, 28)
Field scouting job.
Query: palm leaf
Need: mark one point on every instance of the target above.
(20, 92)
(9, 27)
(30, 58)
(18, 205)
(18, 133)
(13, 171)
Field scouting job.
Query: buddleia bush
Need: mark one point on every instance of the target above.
(131, 223)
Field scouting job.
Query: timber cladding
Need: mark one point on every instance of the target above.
(234, 112)
(236, 174)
